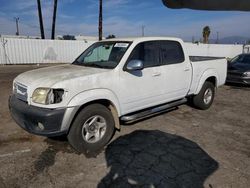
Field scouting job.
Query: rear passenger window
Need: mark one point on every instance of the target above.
(148, 52)
(171, 52)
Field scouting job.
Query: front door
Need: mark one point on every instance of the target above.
(143, 88)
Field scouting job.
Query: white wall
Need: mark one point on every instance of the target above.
(29, 51)
(34, 51)
(214, 50)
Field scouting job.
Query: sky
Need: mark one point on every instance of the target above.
(121, 18)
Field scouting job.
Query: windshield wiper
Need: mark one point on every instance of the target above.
(76, 62)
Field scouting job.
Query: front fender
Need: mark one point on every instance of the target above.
(206, 74)
(95, 94)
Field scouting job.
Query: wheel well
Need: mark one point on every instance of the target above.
(213, 80)
(107, 104)
(104, 102)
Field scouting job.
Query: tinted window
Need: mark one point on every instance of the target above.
(244, 58)
(171, 52)
(148, 52)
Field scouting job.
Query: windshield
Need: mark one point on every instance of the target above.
(103, 54)
(244, 58)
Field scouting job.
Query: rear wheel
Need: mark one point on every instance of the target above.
(205, 97)
(92, 129)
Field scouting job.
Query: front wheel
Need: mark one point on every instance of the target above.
(205, 97)
(92, 129)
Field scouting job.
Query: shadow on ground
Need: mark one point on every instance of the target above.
(156, 159)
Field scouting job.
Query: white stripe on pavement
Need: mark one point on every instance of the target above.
(15, 152)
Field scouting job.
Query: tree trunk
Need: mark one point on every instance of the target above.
(40, 18)
(54, 21)
(100, 20)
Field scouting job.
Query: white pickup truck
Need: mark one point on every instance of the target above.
(112, 81)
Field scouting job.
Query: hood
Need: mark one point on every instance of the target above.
(239, 67)
(47, 77)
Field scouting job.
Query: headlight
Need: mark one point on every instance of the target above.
(47, 95)
(246, 74)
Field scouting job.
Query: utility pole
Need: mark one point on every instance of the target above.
(17, 28)
(142, 30)
(217, 39)
(40, 18)
(193, 39)
(54, 21)
(100, 20)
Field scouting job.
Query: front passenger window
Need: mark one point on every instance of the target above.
(147, 52)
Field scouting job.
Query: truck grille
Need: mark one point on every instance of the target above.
(20, 91)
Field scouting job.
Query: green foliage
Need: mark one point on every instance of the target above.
(110, 36)
(69, 37)
(205, 33)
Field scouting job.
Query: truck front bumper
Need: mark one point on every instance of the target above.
(40, 121)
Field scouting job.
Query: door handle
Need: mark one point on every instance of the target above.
(156, 74)
(187, 69)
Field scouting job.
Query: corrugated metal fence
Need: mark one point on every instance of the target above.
(34, 51)
(214, 50)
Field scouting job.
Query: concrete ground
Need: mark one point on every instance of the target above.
(182, 148)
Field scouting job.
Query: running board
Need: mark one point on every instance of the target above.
(152, 111)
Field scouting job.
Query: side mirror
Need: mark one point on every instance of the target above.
(134, 65)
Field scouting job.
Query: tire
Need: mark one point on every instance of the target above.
(87, 133)
(202, 101)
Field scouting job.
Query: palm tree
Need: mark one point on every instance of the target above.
(206, 32)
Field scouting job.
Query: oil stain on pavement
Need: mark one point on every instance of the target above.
(47, 157)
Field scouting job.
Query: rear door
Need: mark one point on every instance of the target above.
(177, 70)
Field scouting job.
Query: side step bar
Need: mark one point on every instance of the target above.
(152, 111)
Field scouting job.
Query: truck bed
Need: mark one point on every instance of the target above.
(203, 58)
(206, 65)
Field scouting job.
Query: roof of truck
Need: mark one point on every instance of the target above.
(140, 39)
